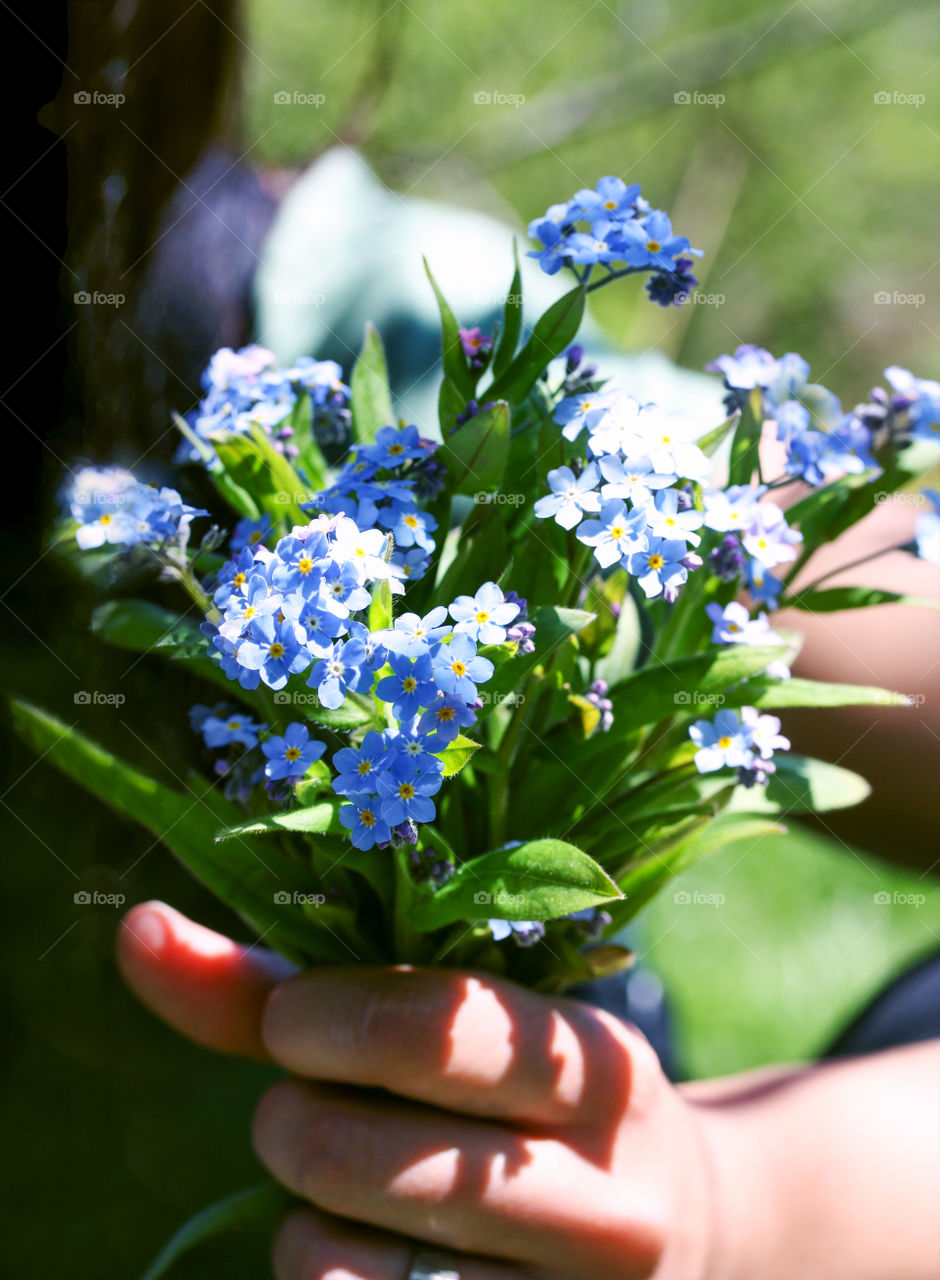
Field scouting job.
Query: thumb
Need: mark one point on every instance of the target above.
(205, 985)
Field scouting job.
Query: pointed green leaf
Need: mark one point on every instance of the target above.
(768, 694)
(246, 874)
(651, 874)
(455, 362)
(475, 454)
(746, 441)
(351, 712)
(553, 627)
(456, 754)
(512, 321)
(258, 1207)
(380, 608)
(712, 440)
(686, 686)
(553, 331)
(315, 820)
(802, 785)
(371, 399)
(833, 599)
(252, 463)
(540, 880)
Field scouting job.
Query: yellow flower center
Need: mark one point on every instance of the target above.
(483, 616)
(411, 522)
(459, 668)
(233, 725)
(304, 564)
(610, 204)
(255, 536)
(653, 246)
(445, 713)
(724, 743)
(396, 449)
(409, 684)
(617, 531)
(106, 518)
(367, 818)
(656, 561)
(365, 766)
(276, 650)
(292, 753)
(733, 626)
(250, 611)
(240, 579)
(406, 791)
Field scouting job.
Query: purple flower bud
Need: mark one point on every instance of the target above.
(512, 597)
(726, 562)
(521, 633)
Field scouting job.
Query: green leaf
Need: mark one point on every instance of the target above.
(553, 331)
(455, 363)
(371, 399)
(686, 686)
(456, 754)
(351, 712)
(258, 1207)
(744, 458)
(255, 466)
(711, 441)
(553, 627)
(316, 820)
(512, 321)
(768, 694)
(648, 876)
(802, 785)
(832, 508)
(246, 875)
(832, 599)
(589, 713)
(540, 880)
(380, 607)
(143, 627)
(475, 454)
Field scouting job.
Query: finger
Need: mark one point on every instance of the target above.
(460, 1184)
(313, 1246)
(470, 1043)
(203, 984)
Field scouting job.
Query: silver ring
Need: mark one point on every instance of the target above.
(433, 1266)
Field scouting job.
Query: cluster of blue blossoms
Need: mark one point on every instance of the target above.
(113, 508)
(821, 439)
(301, 608)
(636, 488)
(245, 388)
(745, 742)
(379, 487)
(613, 226)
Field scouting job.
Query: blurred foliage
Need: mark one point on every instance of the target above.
(808, 195)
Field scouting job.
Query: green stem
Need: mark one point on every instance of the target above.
(831, 573)
(647, 629)
(404, 937)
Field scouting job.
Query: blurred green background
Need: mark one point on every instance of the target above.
(809, 196)
(811, 199)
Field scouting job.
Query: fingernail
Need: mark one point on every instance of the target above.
(149, 928)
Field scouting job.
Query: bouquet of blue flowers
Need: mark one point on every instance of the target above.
(476, 690)
(491, 683)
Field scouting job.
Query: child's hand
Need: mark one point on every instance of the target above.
(448, 1108)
